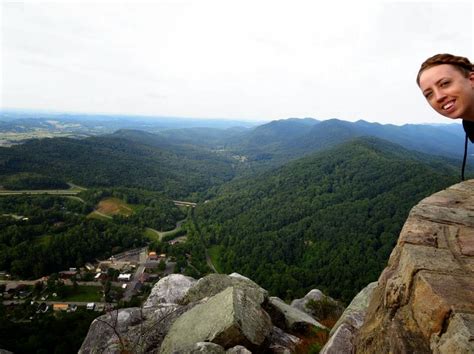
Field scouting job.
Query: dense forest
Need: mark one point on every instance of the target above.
(45, 234)
(50, 333)
(114, 162)
(329, 220)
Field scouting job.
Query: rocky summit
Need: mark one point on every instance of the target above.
(215, 314)
(424, 299)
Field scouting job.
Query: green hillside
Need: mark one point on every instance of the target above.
(110, 162)
(329, 220)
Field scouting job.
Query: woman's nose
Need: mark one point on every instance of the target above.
(439, 95)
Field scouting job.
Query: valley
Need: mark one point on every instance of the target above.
(293, 204)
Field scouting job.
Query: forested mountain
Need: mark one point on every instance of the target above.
(110, 161)
(279, 141)
(329, 220)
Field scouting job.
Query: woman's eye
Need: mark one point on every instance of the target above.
(444, 83)
(428, 95)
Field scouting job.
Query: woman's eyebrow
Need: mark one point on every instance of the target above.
(436, 83)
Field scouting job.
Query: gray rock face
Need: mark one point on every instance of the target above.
(290, 318)
(300, 304)
(354, 314)
(238, 349)
(106, 332)
(282, 342)
(205, 347)
(343, 333)
(169, 290)
(132, 329)
(458, 337)
(229, 318)
(213, 284)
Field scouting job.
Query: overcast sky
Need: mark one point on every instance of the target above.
(252, 60)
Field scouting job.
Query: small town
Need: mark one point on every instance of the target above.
(99, 287)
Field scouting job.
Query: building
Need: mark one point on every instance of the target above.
(124, 277)
(89, 267)
(60, 307)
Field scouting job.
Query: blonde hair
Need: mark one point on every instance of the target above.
(461, 64)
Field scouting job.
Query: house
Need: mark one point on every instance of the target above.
(100, 276)
(152, 256)
(124, 277)
(90, 306)
(89, 267)
(152, 277)
(60, 307)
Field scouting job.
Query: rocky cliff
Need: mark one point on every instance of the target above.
(424, 299)
(215, 314)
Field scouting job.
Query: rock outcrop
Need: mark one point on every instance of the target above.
(343, 333)
(300, 304)
(229, 318)
(290, 318)
(215, 314)
(424, 301)
(169, 290)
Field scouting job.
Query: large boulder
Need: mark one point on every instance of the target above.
(107, 333)
(238, 349)
(132, 330)
(282, 342)
(230, 318)
(300, 304)
(213, 284)
(341, 337)
(169, 290)
(290, 318)
(424, 300)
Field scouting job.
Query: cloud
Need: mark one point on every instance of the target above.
(246, 59)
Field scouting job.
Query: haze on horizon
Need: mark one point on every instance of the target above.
(240, 60)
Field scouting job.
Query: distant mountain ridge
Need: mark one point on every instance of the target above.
(293, 138)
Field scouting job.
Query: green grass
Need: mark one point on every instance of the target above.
(95, 215)
(215, 254)
(84, 293)
(151, 235)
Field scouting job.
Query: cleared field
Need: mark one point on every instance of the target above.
(84, 293)
(99, 216)
(114, 206)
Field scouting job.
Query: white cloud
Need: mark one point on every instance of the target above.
(235, 59)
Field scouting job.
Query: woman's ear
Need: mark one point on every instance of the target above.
(471, 78)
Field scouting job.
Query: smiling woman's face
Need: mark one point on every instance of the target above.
(448, 91)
